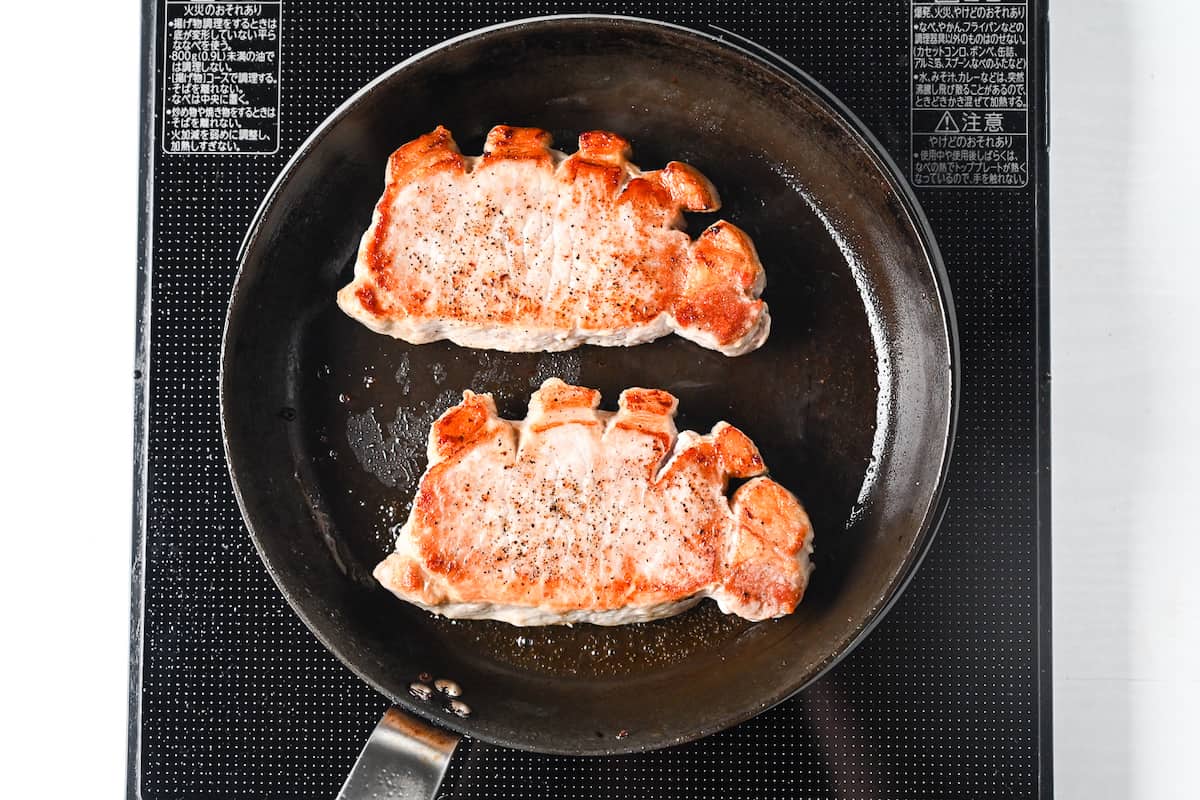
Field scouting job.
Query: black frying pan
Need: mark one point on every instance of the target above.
(852, 399)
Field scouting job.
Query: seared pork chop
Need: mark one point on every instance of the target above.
(528, 249)
(579, 515)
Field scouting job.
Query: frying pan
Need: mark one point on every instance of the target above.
(852, 400)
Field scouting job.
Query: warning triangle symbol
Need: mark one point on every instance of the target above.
(946, 124)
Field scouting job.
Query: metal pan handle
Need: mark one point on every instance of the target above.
(404, 759)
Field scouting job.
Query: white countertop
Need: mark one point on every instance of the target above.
(1125, 171)
(1126, 298)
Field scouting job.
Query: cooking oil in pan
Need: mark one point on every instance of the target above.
(594, 651)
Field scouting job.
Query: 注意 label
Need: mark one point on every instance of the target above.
(970, 93)
(221, 77)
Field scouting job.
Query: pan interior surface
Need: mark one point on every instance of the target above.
(850, 400)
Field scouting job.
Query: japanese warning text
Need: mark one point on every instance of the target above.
(221, 77)
(970, 93)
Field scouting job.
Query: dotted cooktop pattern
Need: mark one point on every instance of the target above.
(238, 700)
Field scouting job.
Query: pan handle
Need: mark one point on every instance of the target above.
(404, 759)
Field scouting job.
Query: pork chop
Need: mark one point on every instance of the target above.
(528, 249)
(579, 515)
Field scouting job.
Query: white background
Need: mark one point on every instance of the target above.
(1125, 218)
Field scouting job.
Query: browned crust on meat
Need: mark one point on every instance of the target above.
(772, 515)
(460, 427)
(763, 573)
(652, 402)
(562, 404)
(710, 286)
(649, 412)
(507, 143)
(739, 456)
(724, 268)
(604, 147)
(377, 293)
(687, 187)
(466, 425)
(435, 151)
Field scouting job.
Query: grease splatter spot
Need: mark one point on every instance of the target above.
(396, 456)
(556, 365)
(402, 373)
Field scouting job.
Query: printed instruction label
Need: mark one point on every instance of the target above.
(221, 77)
(970, 93)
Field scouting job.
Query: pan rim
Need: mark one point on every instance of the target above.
(898, 187)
